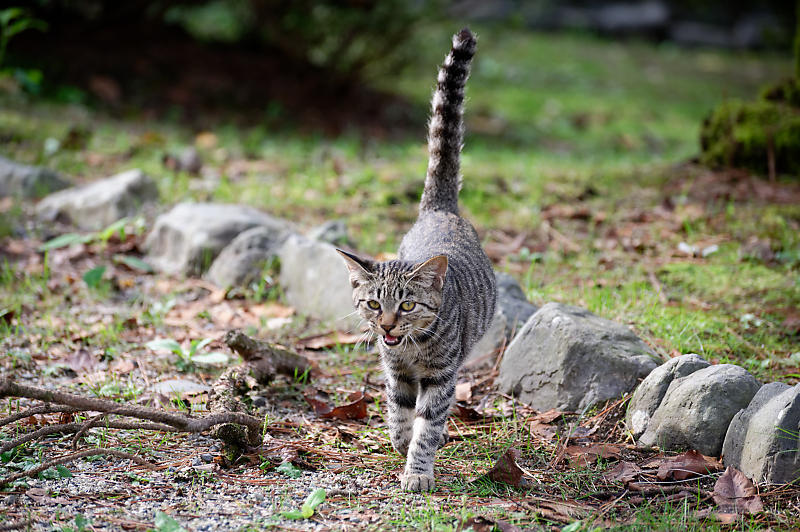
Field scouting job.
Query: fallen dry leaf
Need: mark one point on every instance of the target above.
(687, 465)
(622, 472)
(355, 409)
(484, 524)
(463, 391)
(583, 456)
(81, 361)
(548, 416)
(735, 493)
(466, 413)
(506, 470)
(543, 430)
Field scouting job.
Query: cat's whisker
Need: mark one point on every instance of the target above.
(348, 315)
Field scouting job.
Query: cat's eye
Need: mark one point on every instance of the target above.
(407, 305)
(374, 305)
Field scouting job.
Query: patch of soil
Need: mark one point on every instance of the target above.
(732, 185)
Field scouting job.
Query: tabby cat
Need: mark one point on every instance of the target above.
(433, 303)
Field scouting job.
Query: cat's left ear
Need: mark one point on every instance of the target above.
(360, 269)
(432, 271)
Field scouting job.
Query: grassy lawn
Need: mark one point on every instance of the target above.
(576, 173)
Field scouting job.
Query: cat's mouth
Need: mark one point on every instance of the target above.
(390, 340)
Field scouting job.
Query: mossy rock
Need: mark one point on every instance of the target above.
(746, 134)
(787, 92)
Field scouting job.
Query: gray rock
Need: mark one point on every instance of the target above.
(242, 261)
(649, 394)
(763, 440)
(188, 238)
(568, 358)
(697, 409)
(333, 232)
(315, 281)
(625, 17)
(101, 203)
(700, 34)
(511, 313)
(23, 181)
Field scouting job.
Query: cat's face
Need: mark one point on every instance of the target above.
(398, 300)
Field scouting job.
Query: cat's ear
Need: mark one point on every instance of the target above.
(360, 269)
(431, 272)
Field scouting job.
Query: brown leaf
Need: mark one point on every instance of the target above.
(506, 470)
(332, 339)
(355, 409)
(463, 391)
(583, 456)
(567, 509)
(81, 361)
(623, 472)
(484, 524)
(735, 493)
(466, 413)
(687, 465)
(543, 430)
(548, 417)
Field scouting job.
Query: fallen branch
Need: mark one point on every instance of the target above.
(162, 420)
(37, 410)
(67, 428)
(263, 361)
(72, 457)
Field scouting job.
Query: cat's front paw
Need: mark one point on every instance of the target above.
(416, 483)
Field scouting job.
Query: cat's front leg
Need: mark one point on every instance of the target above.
(433, 406)
(401, 391)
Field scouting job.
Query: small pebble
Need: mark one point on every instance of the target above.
(207, 457)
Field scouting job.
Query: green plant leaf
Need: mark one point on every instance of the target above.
(7, 15)
(197, 345)
(294, 514)
(134, 263)
(65, 240)
(93, 277)
(165, 523)
(214, 357)
(312, 501)
(289, 469)
(63, 472)
(117, 227)
(167, 344)
(81, 522)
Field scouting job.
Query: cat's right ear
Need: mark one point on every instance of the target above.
(360, 269)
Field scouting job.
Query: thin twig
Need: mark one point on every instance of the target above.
(43, 409)
(74, 456)
(66, 428)
(88, 424)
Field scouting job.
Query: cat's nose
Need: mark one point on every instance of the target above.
(388, 328)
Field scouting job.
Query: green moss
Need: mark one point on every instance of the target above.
(747, 134)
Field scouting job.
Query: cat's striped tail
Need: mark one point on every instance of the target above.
(446, 128)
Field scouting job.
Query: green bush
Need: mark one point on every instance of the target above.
(747, 134)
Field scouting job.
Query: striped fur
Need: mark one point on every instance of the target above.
(446, 127)
(443, 274)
